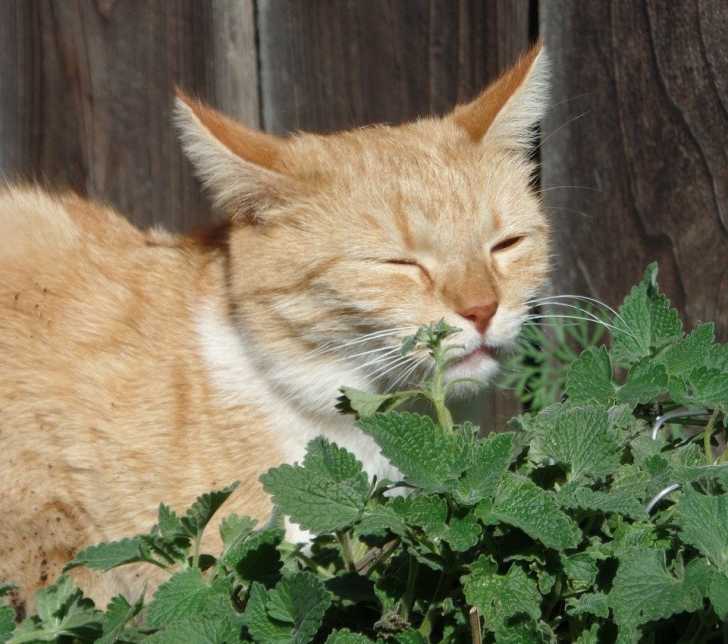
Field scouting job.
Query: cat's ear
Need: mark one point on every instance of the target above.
(508, 109)
(239, 166)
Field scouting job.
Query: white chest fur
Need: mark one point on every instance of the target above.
(234, 376)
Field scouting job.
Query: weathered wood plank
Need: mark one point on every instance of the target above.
(648, 160)
(327, 66)
(87, 89)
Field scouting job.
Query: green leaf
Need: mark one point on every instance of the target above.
(118, 614)
(428, 457)
(235, 529)
(105, 556)
(200, 630)
(202, 510)
(327, 493)
(7, 623)
(361, 402)
(648, 322)
(573, 496)
(257, 558)
(590, 636)
(704, 387)
(428, 512)
(579, 437)
(61, 611)
(645, 383)
(703, 521)
(490, 460)
(170, 525)
(588, 604)
(690, 352)
(291, 612)
(462, 533)
(521, 503)
(345, 636)
(188, 593)
(581, 569)
(718, 593)
(500, 597)
(589, 380)
(644, 590)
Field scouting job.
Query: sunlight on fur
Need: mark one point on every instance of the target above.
(141, 366)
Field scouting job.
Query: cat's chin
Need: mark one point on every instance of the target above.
(476, 369)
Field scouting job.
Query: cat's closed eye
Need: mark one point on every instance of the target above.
(413, 263)
(507, 243)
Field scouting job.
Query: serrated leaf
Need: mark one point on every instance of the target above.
(428, 512)
(380, 518)
(521, 503)
(7, 623)
(119, 612)
(256, 558)
(589, 379)
(61, 611)
(647, 319)
(490, 460)
(188, 593)
(291, 612)
(235, 529)
(703, 387)
(462, 533)
(500, 597)
(703, 521)
(644, 590)
(574, 496)
(428, 457)
(327, 493)
(690, 352)
(718, 593)
(170, 525)
(205, 506)
(360, 402)
(588, 604)
(345, 636)
(579, 438)
(589, 636)
(581, 569)
(645, 383)
(105, 556)
(198, 630)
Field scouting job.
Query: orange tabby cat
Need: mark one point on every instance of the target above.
(144, 366)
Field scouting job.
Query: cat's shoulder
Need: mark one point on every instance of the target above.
(33, 219)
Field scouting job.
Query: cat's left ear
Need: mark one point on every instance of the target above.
(508, 109)
(241, 167)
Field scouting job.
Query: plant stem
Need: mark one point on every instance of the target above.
(196, 551)
(426, 626)
(475, 630)
(408, 599)
(706, 438)
(346, 553)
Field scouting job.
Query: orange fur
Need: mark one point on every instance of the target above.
(143, 366)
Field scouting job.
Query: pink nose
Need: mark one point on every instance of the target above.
(480, 315)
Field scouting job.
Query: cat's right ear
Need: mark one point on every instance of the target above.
(239, 166)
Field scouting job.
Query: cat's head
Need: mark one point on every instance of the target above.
(343, 244)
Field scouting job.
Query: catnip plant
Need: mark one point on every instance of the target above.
(602, 516)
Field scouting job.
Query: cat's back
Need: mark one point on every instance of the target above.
(35, 225)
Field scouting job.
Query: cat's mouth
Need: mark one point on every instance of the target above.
(474, 356)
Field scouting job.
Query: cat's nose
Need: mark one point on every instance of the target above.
(480, 315)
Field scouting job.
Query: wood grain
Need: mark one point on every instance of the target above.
(328, 65)
(639, 134)
(86, 95)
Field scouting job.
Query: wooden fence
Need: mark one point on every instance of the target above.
(638, 130)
